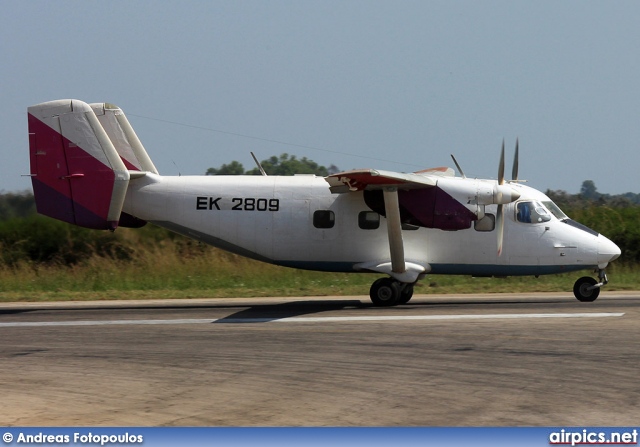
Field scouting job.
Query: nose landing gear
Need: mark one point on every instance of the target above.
(587, 289)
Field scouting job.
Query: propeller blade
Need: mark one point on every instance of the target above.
(500, 227)
(501, 167)
(458, 166)
(514, 173)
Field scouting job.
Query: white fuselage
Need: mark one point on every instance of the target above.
(271, 218)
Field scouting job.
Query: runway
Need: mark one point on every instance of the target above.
(441, 360)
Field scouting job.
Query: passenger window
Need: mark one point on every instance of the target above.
(324, 219)
(368, 220)
(487, 223)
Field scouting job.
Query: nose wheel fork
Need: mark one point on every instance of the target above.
(587, 289)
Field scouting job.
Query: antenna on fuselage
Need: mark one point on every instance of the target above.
(259, 165)
(458, 166)
(177, 169)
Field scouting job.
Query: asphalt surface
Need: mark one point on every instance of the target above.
(475, 360)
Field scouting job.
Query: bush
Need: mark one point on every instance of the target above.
(43, 240)
(620, 224)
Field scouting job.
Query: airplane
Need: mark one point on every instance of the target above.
(89, 168)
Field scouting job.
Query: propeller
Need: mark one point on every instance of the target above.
(514, 195)
(500, 213)
(501, 166)
(514, 172)
(501, 194)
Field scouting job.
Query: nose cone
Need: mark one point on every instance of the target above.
(607, 251)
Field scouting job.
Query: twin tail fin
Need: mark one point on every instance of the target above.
(82, 158)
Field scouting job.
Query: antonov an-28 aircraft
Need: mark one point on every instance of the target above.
(89, 168)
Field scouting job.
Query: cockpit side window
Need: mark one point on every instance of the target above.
(523, 212)
(532, 212)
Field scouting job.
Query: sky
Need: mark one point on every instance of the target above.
(394, 85)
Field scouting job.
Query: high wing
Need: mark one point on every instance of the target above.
(370, 179)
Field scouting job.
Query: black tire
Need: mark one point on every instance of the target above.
(581, 292)
(385, 292)
(406, 294)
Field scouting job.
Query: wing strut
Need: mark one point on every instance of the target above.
(394, 228)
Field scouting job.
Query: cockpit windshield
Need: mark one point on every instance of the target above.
(535, 212)
(557, 212)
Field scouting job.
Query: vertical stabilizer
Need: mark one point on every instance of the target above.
(123, 137)
(77, 174)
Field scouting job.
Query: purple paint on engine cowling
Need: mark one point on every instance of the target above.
(428, 207)
(434, 208)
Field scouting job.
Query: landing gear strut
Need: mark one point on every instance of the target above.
(587, 289)
(389, 292)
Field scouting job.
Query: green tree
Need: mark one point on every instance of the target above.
(589, 191)
(233, 168)
(13, 205)
(282, 165)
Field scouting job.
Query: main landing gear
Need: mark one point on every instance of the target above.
(587, 289)
(389, 292)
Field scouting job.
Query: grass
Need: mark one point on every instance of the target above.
(171, 269)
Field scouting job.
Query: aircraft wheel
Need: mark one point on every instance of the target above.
(582, 292)
(385, 292)
(406, 294)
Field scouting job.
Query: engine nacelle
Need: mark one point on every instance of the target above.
(453, 204)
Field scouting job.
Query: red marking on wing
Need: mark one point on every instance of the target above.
(438, 169)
